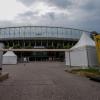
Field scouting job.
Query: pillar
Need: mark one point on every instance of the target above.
(13, 44)
(52, 44)
(24, 44)
(63, 44)
(1, 54)
(35, 43)
(41, 42)
(67, 58)
(47, 43)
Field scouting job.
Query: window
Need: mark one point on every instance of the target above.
(11, 32)
(17, 32)
(22, 32)
(2, 33)
(38, 32)
(43, 32)
(27, 32)
(60, 32)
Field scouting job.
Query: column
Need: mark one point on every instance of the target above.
(63, 44)
(67, 58)
(52, 43)
(47, 43)
(1, 54)
(41, 42)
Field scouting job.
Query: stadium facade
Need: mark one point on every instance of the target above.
(41, 37)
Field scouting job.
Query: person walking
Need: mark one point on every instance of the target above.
(25, 60)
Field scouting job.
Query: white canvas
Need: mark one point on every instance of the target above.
(9, 58)
(67, 58)
(92, 56)
(85, 40)
(83, 53)
(79, 58)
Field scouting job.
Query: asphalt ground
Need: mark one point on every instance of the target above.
(46, 81)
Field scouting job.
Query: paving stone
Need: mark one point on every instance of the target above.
(46, 81)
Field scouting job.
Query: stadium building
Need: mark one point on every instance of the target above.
(39, 37)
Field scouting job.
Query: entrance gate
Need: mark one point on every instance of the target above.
(39, 54)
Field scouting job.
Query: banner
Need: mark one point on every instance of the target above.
(97, 41)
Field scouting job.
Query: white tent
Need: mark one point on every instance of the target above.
(9, 58)
(83, 53)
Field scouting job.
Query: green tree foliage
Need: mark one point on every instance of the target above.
(68, 46)
(93, 33)
(17, 46)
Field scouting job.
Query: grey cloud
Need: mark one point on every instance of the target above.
(87, 4)
(28, 14)
(57, 3)
(91, 24)
(60, 3)
(85, 16)
(50, 15)
(28, 17)
(6, 23)
(27, 2)
(92, 5)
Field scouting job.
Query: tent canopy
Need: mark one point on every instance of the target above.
(9, 53)
(85, 40)
(9, 58)
(83, 54)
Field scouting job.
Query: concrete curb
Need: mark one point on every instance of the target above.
(4, 76)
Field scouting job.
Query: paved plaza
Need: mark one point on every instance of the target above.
(46, 81)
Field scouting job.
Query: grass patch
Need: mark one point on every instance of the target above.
(86, 72)
(90, 70)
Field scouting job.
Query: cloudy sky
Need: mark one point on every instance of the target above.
(81, 14)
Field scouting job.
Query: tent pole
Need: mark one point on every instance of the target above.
(87, 56)
(69, 60)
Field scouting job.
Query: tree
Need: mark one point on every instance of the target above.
(68, 46)
(93, 33)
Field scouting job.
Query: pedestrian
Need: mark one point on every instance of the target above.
(25, 60)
